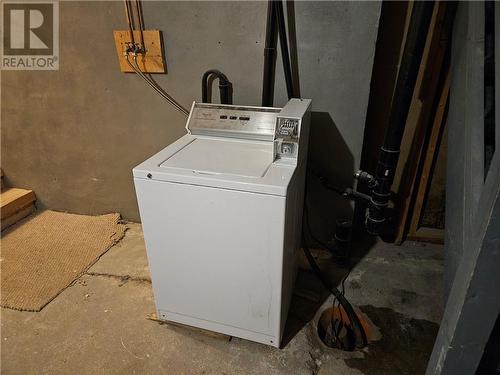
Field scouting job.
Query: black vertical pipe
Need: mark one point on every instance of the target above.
(405, 85)
(287, 69)
(225, 92)
(269, 56)
(292, 42)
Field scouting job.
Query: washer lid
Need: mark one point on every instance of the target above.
(223, 157)
(184, 162)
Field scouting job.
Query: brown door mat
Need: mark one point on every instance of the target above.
(45, 253)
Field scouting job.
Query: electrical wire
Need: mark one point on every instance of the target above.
(327, 184)
(335, 324)
(353, 317)
(339, 296)
(129, 21)
(153, 81)
(316, 239)
(160, 90)
(141, 23)
(336, 327)
(133, 46)
(154, 85)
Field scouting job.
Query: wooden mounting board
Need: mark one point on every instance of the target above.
(152, 62)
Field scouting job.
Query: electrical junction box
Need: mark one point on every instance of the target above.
(153, 61)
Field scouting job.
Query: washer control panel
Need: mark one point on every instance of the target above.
(233, 121)
(282, 126)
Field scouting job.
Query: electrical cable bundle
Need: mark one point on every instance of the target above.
(341, 258)
(150, 81)
(339, 297)
(337, 325)
(140, 48)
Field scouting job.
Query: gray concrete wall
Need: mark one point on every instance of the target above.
(74, 135)
(472, 232)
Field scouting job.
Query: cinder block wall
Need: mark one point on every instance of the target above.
(74, 135)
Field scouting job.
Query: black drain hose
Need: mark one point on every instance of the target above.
(225, 87)
(353, 317)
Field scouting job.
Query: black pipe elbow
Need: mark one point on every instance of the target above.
(225, 86)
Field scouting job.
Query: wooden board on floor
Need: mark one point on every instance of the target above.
(13, 200)
(19, 215)
(424, 234)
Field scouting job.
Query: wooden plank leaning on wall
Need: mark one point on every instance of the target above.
(417, 231)
(419, 122)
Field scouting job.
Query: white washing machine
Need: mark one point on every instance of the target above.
(221, 210)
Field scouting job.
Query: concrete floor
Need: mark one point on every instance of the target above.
(99, 325)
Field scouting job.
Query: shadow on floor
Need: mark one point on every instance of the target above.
(309, 293)
(329, 157)
(308, 297)
(405, 347)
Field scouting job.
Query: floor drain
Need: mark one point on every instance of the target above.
(335, 331)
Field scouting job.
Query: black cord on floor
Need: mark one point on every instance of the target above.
(353, 317)
(358, 329)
